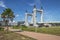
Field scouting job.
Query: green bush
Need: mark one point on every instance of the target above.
(16, 27)
(1, 29)
(23, 26)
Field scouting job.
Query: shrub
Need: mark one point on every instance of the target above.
(1, 29)
(23, 26)
(15, 27)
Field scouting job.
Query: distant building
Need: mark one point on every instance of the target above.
(2, 23)
(13, 23)
(21, 22)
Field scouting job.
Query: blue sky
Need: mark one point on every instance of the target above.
(51, 8)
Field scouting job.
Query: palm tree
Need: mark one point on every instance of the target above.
(7, 16)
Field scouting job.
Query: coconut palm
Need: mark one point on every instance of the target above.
(7, 13)
(7, 16)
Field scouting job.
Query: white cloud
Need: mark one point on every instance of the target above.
(17, 15)
(13, 21)
(2, 4)
(0, 15)
(35, 2)
(31, 4)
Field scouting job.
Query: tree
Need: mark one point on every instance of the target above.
(7, 16)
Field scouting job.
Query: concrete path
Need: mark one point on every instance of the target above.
(39, 36)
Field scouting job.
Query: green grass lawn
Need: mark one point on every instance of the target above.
(13, 36)
(47, 30)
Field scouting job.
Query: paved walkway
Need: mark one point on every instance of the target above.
(39, 36)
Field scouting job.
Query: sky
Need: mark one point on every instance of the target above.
(51, 9)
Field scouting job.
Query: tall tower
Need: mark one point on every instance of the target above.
(32, 18)
(34, 15)
(41, 9)
(26, 18)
